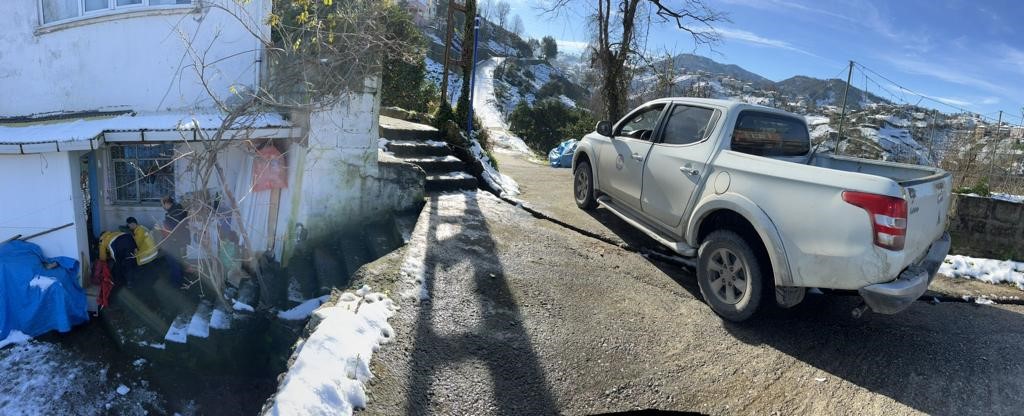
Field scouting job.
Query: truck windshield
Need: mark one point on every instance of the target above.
(765, 134)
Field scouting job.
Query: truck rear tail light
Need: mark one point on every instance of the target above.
(888, 217)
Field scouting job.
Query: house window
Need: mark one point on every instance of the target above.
(143, 173)
(58, 10)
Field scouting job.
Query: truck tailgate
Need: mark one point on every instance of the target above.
(928, 202)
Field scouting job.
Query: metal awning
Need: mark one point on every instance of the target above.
(91, 132)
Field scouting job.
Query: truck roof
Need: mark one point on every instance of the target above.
(729, 105)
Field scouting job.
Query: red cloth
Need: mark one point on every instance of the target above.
(269, 170)
(101, 276)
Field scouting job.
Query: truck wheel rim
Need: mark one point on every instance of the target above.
(729, 276)
(581, 185)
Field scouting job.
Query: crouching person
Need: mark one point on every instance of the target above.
(145, 251)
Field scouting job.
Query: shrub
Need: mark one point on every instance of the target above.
(548, 123)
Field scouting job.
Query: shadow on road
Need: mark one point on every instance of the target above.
(949, 358)
(634, 238)
(497, 338)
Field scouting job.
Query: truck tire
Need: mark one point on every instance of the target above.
(583, 186)
(729, 276)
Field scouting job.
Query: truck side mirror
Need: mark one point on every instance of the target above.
(604, 128)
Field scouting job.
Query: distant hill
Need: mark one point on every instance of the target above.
(693, 63)
(825, 92)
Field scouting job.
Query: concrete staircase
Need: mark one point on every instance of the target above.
(422, 146)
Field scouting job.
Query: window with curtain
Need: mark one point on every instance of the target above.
(142, 173)
(57, 10)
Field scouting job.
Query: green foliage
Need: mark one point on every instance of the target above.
(549, 123)
(980, 188)
(404, 81)
(326, 47)
(443, 115)
(552, 89)
(549, 47)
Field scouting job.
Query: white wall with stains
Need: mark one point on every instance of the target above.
(131, 59)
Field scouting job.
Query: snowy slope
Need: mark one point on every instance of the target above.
(486, 107)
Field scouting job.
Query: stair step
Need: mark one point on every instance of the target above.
(398, 129)
(451, 181)
(437, 164)
(417, 149)
(403, 134)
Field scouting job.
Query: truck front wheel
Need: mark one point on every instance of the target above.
(729, 276)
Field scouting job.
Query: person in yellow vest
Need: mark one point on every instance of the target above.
(146, 248)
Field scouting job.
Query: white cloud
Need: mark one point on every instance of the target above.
(990, 100)
(755, 39)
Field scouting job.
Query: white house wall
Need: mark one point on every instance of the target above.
(45, 195)
(135, 61)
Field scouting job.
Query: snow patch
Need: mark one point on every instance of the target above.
(14, 337)
(331, 367)
(220, 320)
(239, 306)
(42, 282)
(985, 270)
(303, 310)
(1007, 197)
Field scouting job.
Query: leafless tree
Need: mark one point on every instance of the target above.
(501, 10)
(312, 64)
(619, 29)
(517, 26)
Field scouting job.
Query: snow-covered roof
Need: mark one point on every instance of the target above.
(84, 133)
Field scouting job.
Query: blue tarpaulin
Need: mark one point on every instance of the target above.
(561, 156)
(34, 299)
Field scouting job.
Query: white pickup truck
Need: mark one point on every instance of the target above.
(739, 187)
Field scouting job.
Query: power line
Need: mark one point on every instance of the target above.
(912, 92)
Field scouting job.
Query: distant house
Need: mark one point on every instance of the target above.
(103, 108)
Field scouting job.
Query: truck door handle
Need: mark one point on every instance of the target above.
(689, 171)
(637, 157)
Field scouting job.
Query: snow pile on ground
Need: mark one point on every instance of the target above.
(40, 378)
(413, 267)
(303, 310)
(332, 366)
(496, 180)
(985, 270)
(14, 337)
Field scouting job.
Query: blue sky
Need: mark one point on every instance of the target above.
(968, 54)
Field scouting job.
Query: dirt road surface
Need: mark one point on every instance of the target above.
(528, 317)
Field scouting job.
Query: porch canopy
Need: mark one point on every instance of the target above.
(91, 131)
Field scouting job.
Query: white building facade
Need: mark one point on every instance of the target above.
(103, 97)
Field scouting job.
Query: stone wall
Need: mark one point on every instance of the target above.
(986, 227)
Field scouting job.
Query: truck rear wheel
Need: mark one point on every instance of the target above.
(729, 276)
(583, 186)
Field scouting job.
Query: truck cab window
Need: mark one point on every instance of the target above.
(687, 124)
(765, 134)
(641, 124)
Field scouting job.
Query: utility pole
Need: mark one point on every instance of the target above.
(452, 8)
(472, 76)
(842, 117)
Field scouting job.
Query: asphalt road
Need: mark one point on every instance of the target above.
(528, 317)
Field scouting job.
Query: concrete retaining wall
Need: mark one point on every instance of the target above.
(986, 227)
